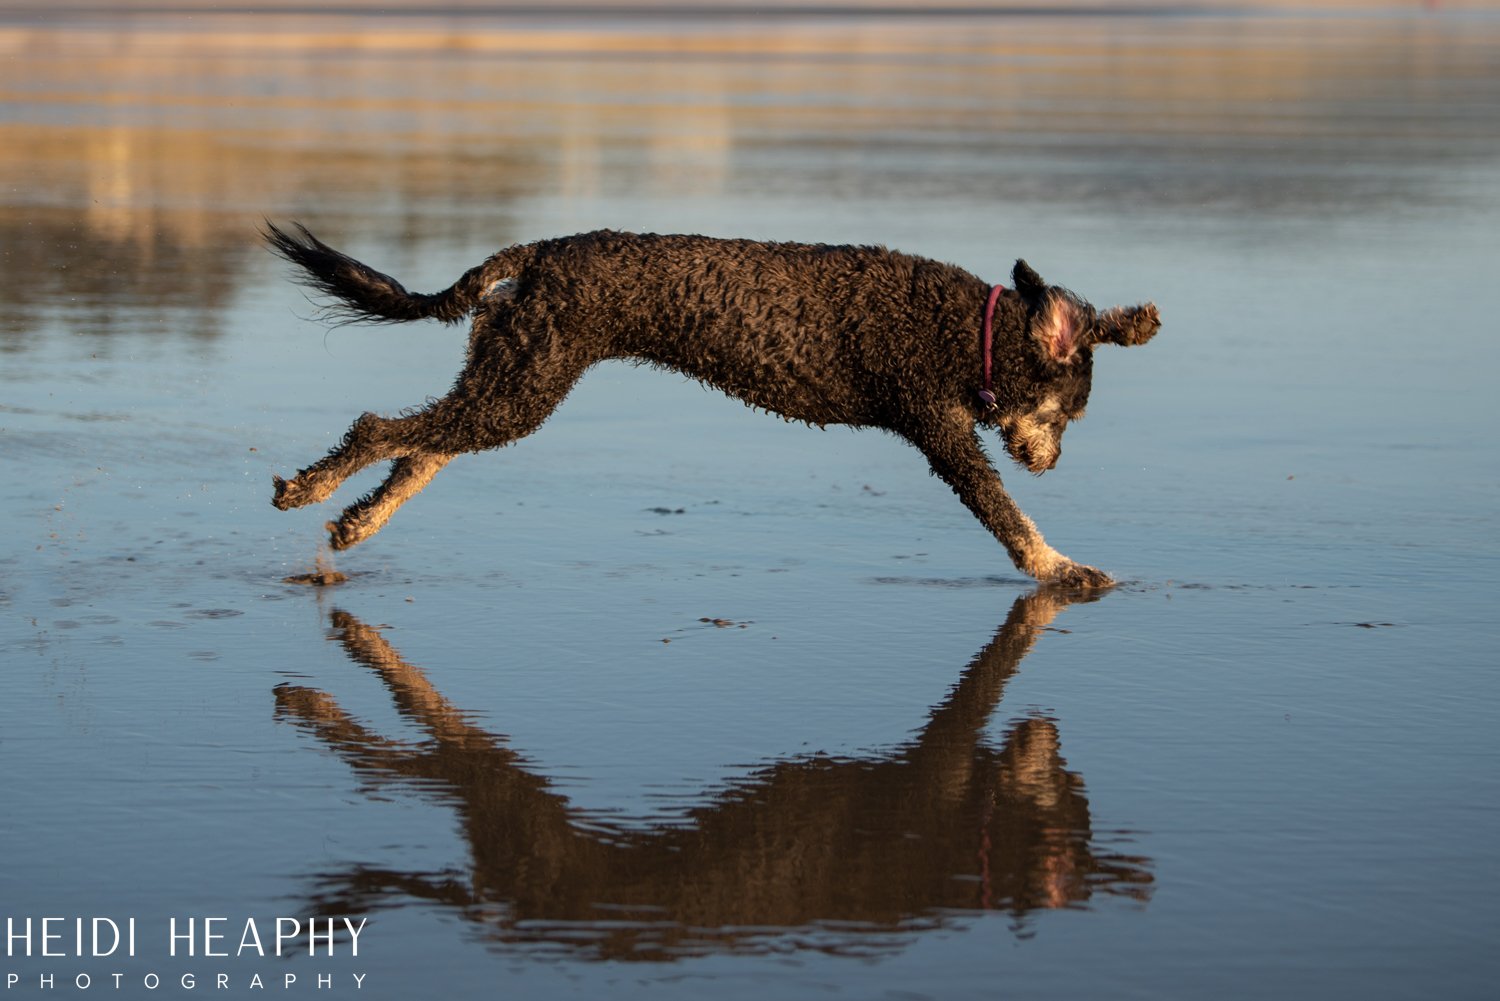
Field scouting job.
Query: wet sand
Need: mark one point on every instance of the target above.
(674, 699)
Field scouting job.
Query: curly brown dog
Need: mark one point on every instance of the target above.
(862, 336)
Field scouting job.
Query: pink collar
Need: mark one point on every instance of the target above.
(987, 394)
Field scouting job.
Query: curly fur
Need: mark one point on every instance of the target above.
(862, 336)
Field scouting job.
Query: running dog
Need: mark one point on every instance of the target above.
(862, 336)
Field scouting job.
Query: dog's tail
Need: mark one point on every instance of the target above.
(362, 294)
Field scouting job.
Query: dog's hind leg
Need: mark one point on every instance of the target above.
(369, 440)
(953, 448)
(369, 514)
(464, 421)
(512, 384)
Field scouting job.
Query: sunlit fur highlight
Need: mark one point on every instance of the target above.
(1034, 439)
(1059, 329)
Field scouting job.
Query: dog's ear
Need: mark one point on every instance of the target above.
(1128, 326)
(1058, 323)
(1028, 284)
(1061, 328)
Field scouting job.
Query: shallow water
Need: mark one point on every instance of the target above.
(518, 742)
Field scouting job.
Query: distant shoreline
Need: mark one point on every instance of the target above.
(705, 9)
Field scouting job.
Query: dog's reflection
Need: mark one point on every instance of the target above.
(834, 854)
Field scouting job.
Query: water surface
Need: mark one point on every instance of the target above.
(675, 699)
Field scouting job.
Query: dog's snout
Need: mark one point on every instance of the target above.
(1039, 464)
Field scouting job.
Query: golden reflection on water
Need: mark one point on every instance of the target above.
(142, 140)
(833, 854)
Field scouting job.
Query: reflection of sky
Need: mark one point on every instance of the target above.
(132, 176)
(162, 150)
(1324, 156)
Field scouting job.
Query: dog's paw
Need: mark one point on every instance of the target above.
(287, 494)
(1079, 575)
(343, 534)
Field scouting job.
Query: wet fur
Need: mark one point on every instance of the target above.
(861, 336)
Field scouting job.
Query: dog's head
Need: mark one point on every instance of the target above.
(1064, 331)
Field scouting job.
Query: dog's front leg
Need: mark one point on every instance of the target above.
(952, 447)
